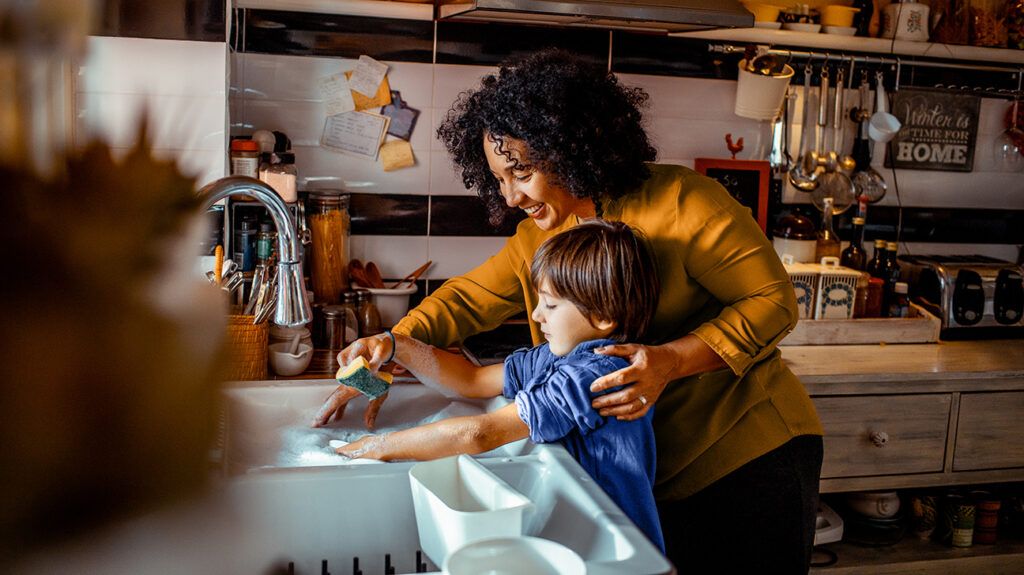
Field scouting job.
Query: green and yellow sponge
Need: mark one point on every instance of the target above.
(357, 375)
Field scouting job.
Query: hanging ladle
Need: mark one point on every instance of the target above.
(883, 126)
(869, 186)
(846, 163)
(803, 175)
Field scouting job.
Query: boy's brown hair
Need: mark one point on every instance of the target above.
(606, 270)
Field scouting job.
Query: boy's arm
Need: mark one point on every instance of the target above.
(470, 435)
(437, 367)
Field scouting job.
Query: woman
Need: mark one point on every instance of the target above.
(738, 440)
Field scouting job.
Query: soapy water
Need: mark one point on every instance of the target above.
(304, 446)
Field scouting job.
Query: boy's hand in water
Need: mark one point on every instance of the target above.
(367, 446)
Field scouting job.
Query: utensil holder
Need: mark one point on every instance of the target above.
(759, 97)
(247, 348)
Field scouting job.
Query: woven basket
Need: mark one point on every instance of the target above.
(247, 348)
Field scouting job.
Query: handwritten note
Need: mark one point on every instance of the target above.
(336, 94)
(367, 76)
(356, 133)
(396, 154)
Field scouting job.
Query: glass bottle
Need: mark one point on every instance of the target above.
(891, 275)
(853, 256)
(327, 215)
(266, 244)
(349, 300)
(369, 315)
(899, 305)
(875, 265)
(827, 244)
(244, 245)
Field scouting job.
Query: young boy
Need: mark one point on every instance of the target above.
(596, 284)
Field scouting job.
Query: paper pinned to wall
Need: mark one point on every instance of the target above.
(367, 76)
(396, 154)
(403, 118)
(356, 133)
(336, 94)
(381, 98)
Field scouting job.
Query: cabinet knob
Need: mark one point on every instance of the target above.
(879, 438)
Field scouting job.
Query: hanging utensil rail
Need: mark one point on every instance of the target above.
(825, 55)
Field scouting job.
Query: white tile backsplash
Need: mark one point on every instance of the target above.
(396, 256)
(453, 256)
(180, 86)
(150, 66)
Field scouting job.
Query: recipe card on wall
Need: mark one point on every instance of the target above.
(939, 130)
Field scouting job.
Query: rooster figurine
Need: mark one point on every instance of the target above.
(733, 148)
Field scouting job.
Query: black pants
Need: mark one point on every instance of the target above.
(758, 519)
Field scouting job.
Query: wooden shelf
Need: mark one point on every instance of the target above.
(918, 556)
(880, 46)
(410, 10)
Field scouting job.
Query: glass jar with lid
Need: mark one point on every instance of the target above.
(327, 217)
(369, 315)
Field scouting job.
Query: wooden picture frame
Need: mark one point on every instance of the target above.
(745, 180)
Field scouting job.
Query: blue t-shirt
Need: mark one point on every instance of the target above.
(552, 395)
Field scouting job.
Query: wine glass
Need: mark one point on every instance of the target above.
(1009, 145)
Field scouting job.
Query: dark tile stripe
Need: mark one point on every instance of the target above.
(489, 43)
(944, 225)
(636, 53)
(340, 36)
(388, 214)
(467, 216)
(201, 20)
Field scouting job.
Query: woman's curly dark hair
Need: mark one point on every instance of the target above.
(580, 126)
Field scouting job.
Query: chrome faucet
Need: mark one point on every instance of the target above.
(292, 304)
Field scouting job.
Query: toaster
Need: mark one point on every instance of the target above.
(974, 296)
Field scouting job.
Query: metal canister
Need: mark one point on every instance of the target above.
(333, 327)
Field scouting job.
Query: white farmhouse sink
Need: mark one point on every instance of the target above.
(267, 424)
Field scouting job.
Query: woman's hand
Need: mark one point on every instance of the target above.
(650, 370)
(375, 349)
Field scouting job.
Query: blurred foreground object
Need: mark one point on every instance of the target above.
(108, 369)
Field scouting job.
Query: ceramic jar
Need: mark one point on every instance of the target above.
(907, 20)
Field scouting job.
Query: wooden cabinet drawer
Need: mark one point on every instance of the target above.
(990, 431)
(883, 434)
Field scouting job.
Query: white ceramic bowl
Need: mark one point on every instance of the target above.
(392, 303)
(284, 363)
(809, 28)
(839, 30)
(514, 555)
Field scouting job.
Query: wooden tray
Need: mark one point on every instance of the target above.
(920, 327)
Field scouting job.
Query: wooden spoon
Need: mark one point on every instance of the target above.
(373, 274)
(358, 273)
(411, 278)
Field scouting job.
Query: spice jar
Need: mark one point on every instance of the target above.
(282, 176)
(245, 158)
(369, 315)
(327, 215)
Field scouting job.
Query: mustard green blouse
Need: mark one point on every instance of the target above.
(720, 280)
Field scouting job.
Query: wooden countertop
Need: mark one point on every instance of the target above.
(818, 366)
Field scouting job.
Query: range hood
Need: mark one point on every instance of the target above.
(648, 15)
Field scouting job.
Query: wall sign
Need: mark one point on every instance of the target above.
(939, 130)
(745, 180)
